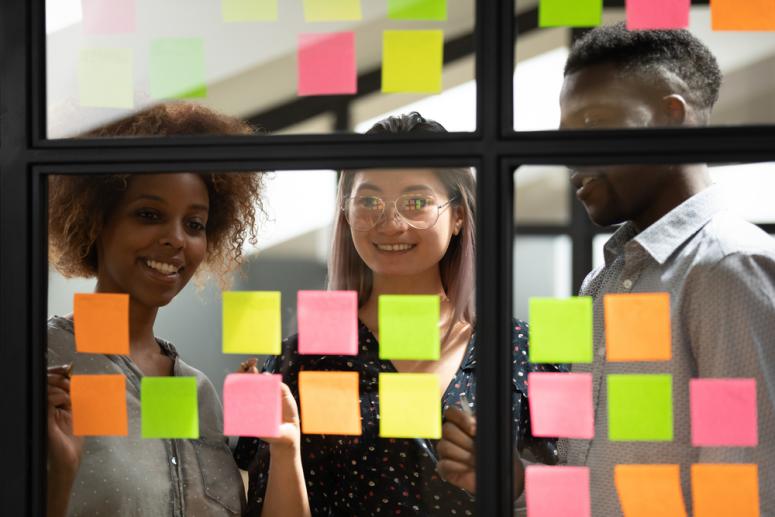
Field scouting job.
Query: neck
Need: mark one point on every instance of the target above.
(141, 320)
(691, 180)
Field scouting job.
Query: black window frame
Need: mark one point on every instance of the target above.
(495, 149)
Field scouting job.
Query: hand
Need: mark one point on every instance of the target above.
(289, 440)
(64, 449)
(457, 453)
(248, 366)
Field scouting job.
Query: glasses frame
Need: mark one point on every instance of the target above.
(439, 208)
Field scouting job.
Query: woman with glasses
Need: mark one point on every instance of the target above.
(398, 231)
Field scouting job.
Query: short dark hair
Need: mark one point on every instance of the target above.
(677, 51)
(406, 123)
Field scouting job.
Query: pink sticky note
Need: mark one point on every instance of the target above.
(723, 412)
(557, 491)
(108, 16)
(251, 405)
(327, 64)
(657, 14)
(328, 322)
(561, 405)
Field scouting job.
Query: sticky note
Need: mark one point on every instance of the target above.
(252, 405)
(570, 13)
(557, 491)
(326, 64)
(417, 9)
(723, 412)
(169, 407)
(649, 490)
(101, 322)
(328, 322)
(252, 322)
(249, 10)
(409, 405)
(637, 327)
(742, 15)
(99, 405)
(409, 327)
(721, 490)
(332, 10)
(106, 78)
(561, 405)
(108, 16)
(657, 14)
(412, 61)
(561, 330)
(640, 407)
(330, 403)
(177, 68)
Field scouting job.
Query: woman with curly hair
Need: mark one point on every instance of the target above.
(146, 235)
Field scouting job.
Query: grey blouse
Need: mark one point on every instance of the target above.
(128, 475)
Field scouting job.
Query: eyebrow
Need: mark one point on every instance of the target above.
(152, 197)
(410, 188)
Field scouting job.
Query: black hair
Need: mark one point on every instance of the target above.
(677, 51)
(406, 123)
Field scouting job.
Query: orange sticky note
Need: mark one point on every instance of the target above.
(637, 327)
(99, 405)
(330, 403)
(649, 490)
(742, 15)
(721, 490)
(101, 322)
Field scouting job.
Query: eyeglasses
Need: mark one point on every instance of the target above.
(420, 211)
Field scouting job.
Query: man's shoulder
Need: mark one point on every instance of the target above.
(729, 234)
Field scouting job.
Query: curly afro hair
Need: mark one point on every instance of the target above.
(677, 51)
(80, 205)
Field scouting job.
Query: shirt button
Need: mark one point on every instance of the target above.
(627, 284)
(174, 461)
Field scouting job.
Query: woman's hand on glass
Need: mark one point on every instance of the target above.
(457, 450)
(64, 448)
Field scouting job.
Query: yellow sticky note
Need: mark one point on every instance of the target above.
(409, 405)
(251, 322)
(412, 61)
(330, 403)
(649, 490)
(637, 327)
(332, 10)
(106, 78)
(742, 15)
(249, 10)
(722, 490)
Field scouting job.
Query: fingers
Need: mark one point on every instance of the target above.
(450, 451)
(248, 366)
(290, 410)
(59, 381)
(448, 468)
(464, 422)
(452, 433)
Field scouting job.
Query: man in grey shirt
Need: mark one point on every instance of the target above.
(676, 237)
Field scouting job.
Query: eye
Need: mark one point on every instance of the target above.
(148, 215)
(196, 226)
(370, 202)
(416, 203)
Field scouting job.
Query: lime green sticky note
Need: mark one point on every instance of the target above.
(570, 13)
(169, 407)
(249, 10)
(409, 405)
(177, 68)
(417, 9)
(106, 78)
(640, 408)
(409, 327)
(332, 10)
(412, 61)
(561, 330)
(252, 323)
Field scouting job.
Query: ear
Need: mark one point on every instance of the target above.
(674, 109)
(459, 221)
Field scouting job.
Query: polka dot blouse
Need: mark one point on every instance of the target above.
(369, 475)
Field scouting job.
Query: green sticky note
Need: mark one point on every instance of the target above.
(409, 327)
(252, 323)
(417, 9)
(332, 10)
(249, 10)
(409, 405)
(177, 68)
(561, 330)
(570, 13)
(412, 61)
(106, 78)
(169, 407)
(640, 408)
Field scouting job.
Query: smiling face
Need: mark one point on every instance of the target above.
(393, 247)
(154, 240)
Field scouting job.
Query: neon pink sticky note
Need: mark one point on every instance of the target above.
(327, 64)
(561, 405)
(723, 412)
(557, 491)
(251, 405)
(108, 16)
(657, 14)
(328, 322)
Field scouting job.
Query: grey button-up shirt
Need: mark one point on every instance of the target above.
(720, 273)
(132, 476)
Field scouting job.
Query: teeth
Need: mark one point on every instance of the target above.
(395, 247)
(161, 267)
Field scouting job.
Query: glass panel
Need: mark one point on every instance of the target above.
(284, 67)
(542, 195)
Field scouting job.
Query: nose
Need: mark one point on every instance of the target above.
(174, 235)
(391, 222)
